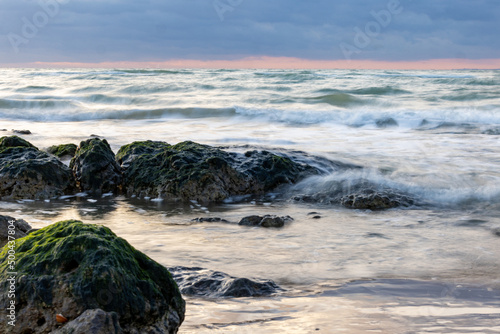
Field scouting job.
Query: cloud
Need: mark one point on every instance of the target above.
(157, 30)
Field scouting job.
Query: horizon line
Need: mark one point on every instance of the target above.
(266, 62)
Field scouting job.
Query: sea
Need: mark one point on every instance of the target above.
(434, 135)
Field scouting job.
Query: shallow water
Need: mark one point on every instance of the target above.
(399, 271)
(432, 268)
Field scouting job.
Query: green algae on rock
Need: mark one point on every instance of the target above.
(14, 141)
(192, 171)
(95, 168)
(64, 150)
(28, 173)
(70, 267)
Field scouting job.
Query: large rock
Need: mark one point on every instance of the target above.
(70, 267)
(215, 284)
(95, 168)
(19, 229)
(191, 171)
(27, 173)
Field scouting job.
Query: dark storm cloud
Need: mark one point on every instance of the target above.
(126, 30)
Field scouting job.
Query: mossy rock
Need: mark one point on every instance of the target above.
(13, 141)
(70, 267)
(64, 150)
(27, 173)
(192, 171)
(179, 172)
(95, 167)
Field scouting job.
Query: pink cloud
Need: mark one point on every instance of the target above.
(265, 62)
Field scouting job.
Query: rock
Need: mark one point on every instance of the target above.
(270, 170)
(250, 221)
(355, 194)
(21, 229)
(61, 151)
(214, 284)
(375, 200)
(27, 173)
(93, 322)
(22, 132)
(70, 267)
(210, 220)
(95, 168)
(14, 141)
(191, 171)
(265, 221)
(272, 221)
(496, 232)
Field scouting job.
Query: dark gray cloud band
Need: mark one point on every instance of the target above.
(155, 30)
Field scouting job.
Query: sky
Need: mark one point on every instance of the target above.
(251, 33)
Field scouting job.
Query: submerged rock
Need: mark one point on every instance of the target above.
(265, 221)
(209, 220)
(21, 229)
(191, 171)
(376, 200)
(95, 168)
(214, 284)
(64, 150)
(71, 267)
(357, 194)
(27, 173)
(22, 132)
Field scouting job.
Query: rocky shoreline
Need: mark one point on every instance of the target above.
(183, 172)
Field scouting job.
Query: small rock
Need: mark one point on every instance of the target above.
(272, 221)
(210, 220)
(22, 132)
(496, 232)
(316, 217)
(265, 221)
(250, 221)
(372, 200)
(214, 284)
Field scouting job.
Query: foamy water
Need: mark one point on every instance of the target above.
(430, 134)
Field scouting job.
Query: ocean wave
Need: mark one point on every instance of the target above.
(424, 76)
(337, 99)
(132, 114)
(40, 103)
(424, 189)
(385, 90)
(34, 89)
(415, 119)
